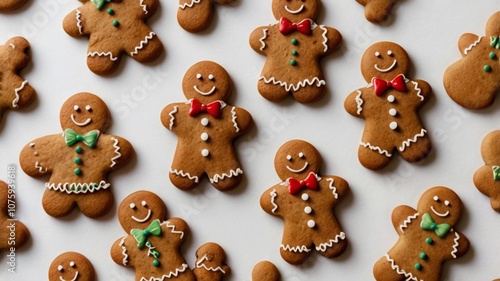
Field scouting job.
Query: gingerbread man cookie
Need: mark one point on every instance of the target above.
(71, 266)
(305, 201)
(14, 233)
(377, 11)
(15, 92)
(206, 127)
(293, 48)
(152, 246)
(427, 238)
(78, 160)
(9, 5)
(265, 271)
(487, 178)
(115, 27)
(389, 104)
(196, 15)
(474, 80)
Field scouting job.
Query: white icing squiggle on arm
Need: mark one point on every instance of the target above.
(455, 246)
(263, 38)
(171, 226)
(117, 152)
(233, 114)
(79, 21)
(325, 39)
(333, 188)
(16, 92)
(144, 7)
(468, 49)
(143, 43)
(419, 91)
(273, 198)
(124, 251)
(359, 102)
(407, 221)
(172, 118)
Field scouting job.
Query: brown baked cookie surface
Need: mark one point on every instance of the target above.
(377, 11)
(9, 5)
(487, 177)
(13, 234)
(265, 271)
(389, 104)
(78, 160)
(196, 15)
(71, 266)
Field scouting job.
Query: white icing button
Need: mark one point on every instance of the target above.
(391, 98)
(308, 210)
(305, 197)
(311, 223)
(393, 125)
(393, 112)
(204, 137)
(204, 122)
(205, 152)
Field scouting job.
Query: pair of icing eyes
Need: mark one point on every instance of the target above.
(77, 108)
(389, 53)
(60, 267)
(289, 157)
(143, 203)
(446, 202)
(200, 77)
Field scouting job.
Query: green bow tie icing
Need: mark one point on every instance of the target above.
(141, 236)
(495, 42)
(496, 172)
(429, 224)
(89, 139)
(100, 3)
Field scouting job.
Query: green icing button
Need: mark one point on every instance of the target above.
(77, 171)
(294, 41)
(423, 255)
(78, 149)
(293, 62)
(429, 241)
(487, 68)
(111, 11)
(294, 53)
(493, 55)
(418, 266)
(115, 23)
(77, 160)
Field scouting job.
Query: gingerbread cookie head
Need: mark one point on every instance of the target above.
(443, 204)
(296, 10)
(84, 112)
(206, 81)
(71, 266)
(139, 209)
(211, 262)
(493, 25)
(384, 60)
(296, 159)
(265, 271)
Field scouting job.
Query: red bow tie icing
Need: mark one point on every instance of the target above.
(212, 108)
(380, 85)
(295, 186)
(286, 26)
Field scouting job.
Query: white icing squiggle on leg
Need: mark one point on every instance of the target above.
(324, 246)
(376, 148)
(232, 173)
(408, 142)
(294, 87)
(143, 43)
(183, 174)
(299, 249)
(102, 54)
(189, 5)
(395, 267)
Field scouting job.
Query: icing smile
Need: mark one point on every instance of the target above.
(386, 69)
(440, 214)
(144, 219)
(205, 93)
(80, 124)
(299, 170)
(294, 11)
(74, 278)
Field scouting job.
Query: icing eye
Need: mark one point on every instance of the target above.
(60, 268)
(289, 157)
(436, 198)
(132, 206)
(377, 54)
(198, 76)
(389, 53)
(88, 108)
(76, 107)
(144, 204)
(72, 264)
(301, 155)
(447, 203)
(211, 77)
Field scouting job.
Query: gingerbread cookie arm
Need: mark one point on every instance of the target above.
(120, 151)
(270, 200)
(35, 159)
(402, 216)
(258, 39)
(484, 180)
(147, 8)
(121, 251)
(73, 24)
(170, 114)
(177, 230)
(460, 245)
(20, 230)
(332, 39)
(241, 119)
(467, 42)
(338, 186)
(354, 102)
(422, 88)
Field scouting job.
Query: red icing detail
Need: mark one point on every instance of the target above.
(380, 85)
(295, 186)
(212, 108)
(287, 26)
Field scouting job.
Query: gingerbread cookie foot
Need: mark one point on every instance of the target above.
(487, 177)
(377, 11)
(196, 15)
(265, 271)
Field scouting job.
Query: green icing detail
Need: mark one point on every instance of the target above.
(294, 41)
(78, 150)
(495, 42)
(294, 53)
(418, 266)
(156, 263)
(77, 160)
(293, 62)
(100, 3)
(429, 241)
(77, 171)
(496, 173)
(493, 55)
(487, 68)
(115, 23)
(111, 11)
(423, 255)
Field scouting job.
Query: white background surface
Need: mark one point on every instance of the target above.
(136, 94)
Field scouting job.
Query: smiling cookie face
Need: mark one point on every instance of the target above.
(84, 112)
(296, 10)
(296, 159)
(384, 60)
(71, 266)
(139, 209)
(442, 203)
(206, 81)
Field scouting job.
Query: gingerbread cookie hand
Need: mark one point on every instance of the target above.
(377, 11)
(389, 104)
(14, 233)
(196, 15)
(206, 126)
(265, 271)
(487, 177)
(305, 201)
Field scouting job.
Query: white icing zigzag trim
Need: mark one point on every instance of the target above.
(200, 264)
(468, 49)
(142, 43)
(124, 251)
(455, 246)
(324, 246)
(381, 151)
(12, 45)
(41, 169)
(79, 21)
(77, 187)
(167, 224)
(233, 114)
(359, 102)
(409, 276)
(273, 197)
(183, 174)
(169, 275)
(419, 91)
(407, 221)
(144, 7)
(117, 152)
(232, 173)
(16, 92)
(189, 5)
(296, 87)
(408, 142)
(172, 118)
(295, 249)
(262, 39)
(102, 54)
(325, 39)
(334, 190)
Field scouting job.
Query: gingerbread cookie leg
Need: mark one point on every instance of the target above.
(333, 247)
(146, 48)
(295, 248)
(226, 178)
(271, 91)
(185, 178)
(57, 204)
(384, 271)
(416, 148)
(102, 62)
(195, 15)
(309, 93)
(374, 154)
(89, 208)
(265, 271)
